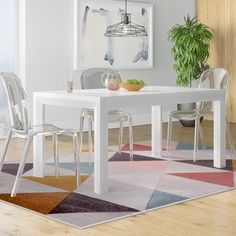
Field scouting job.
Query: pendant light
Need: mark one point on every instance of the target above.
(126, 27)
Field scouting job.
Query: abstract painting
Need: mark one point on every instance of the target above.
(95, 50)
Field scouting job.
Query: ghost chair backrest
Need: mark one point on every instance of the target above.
(17, 101)
(217, 78)
(91, 78)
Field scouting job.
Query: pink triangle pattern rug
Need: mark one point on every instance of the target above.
(134, 186)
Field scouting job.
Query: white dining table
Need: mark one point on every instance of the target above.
(103, 101)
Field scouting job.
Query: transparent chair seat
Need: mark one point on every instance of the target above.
(45, 129)
(188, 115)
(113, 116)
(48, 130)
(20, 126)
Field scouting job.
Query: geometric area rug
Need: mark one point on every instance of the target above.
(136, 186)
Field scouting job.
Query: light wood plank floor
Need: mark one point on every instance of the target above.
(213, 215)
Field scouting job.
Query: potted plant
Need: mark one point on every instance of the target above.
(191, 43)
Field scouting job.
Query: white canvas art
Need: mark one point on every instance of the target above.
(95, 50)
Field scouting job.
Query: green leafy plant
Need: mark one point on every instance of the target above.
(191, 42)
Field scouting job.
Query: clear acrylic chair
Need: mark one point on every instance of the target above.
(20, 126)
(217, 78)
(91, 79)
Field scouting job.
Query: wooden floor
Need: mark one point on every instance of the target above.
(213, 215)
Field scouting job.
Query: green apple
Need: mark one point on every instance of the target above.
(134, 81)
(141, 82)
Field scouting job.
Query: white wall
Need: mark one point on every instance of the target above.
(49, 49)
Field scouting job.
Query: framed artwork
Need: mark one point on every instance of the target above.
(94, 50)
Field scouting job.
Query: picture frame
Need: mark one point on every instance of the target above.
(94, 50)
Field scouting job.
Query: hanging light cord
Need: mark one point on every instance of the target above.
(126, 18)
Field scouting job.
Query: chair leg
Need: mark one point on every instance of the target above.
(3, 156)
(131, 138)
(21, 167)
(81, 133)
(196, 135)
(90, 128)
(169, 134)
(77, 161)
(54, 148)
(55, 154)
(121, 136)
(202, 137)
(230, 140)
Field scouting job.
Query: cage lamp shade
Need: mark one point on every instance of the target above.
(125, 28)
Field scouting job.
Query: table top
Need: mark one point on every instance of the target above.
(111, 100)
(147, 90)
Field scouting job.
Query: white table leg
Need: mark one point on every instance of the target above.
(219, 134)
(38, 142)
(157, 131)
(100, 151)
